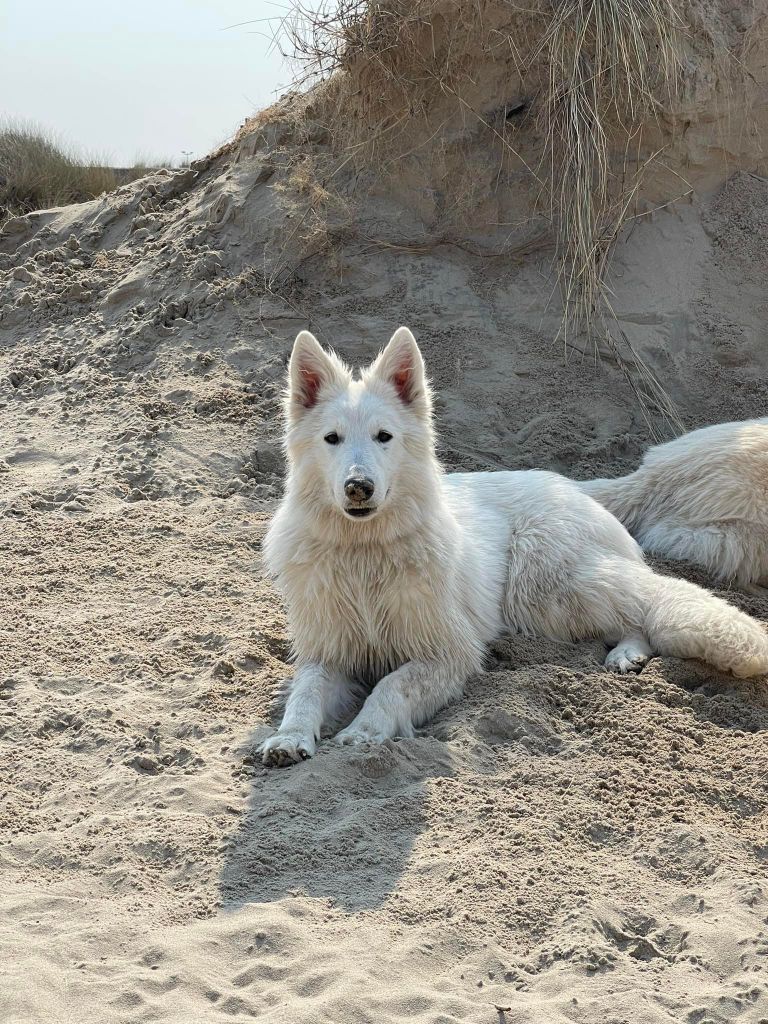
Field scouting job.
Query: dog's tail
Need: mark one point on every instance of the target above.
(686, 621)
(622, 496)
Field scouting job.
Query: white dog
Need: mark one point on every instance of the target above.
(397, 575)
(702, 498)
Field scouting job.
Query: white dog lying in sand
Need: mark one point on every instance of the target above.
(397, 575)
(702, 498)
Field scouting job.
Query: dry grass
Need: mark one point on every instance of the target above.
(610, 64)
(321, 38)
(38, 172)
(400, 56)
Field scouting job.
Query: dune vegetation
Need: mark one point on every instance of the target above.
(39, 171)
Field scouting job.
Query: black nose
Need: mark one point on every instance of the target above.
(358, 488)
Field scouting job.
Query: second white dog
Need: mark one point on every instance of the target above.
(702, 498)
(396, 576)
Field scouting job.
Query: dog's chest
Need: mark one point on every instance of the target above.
(363, 608)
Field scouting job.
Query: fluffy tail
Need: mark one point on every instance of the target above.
(622, 496)
(686, 621)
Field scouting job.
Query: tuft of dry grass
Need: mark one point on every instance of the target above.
(38, 172)
(611, 66)
(401, 55)
(610, 63)
(322, 37)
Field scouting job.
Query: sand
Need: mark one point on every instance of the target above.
(562, 844)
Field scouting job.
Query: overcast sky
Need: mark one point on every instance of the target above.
(139, 77)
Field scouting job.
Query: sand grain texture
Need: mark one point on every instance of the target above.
(563, 843)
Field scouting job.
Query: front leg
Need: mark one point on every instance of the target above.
(405, 698)
(316, 695)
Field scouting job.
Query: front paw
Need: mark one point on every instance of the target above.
(355, 734)
(286, 748)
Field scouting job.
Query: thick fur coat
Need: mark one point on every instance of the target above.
(702, 498)
(396, 576)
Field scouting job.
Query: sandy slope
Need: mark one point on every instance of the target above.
(562, 843)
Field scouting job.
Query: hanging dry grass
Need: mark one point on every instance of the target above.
(610, 64)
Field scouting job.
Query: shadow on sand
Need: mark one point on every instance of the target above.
(340, 826)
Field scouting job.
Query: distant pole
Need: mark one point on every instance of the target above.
(186, 153)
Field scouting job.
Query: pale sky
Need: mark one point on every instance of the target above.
(134, 77)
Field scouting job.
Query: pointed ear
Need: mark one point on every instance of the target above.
(311, 370)
(401, 365)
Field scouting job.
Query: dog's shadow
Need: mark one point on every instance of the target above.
(340, 826)
(346, 825)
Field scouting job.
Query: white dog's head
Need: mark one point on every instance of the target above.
(358, 447)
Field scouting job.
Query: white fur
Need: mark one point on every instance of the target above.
(406, 599)
(702, 498)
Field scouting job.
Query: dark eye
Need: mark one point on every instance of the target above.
(383, 436)
(332, 438)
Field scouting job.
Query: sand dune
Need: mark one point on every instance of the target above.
(561, 845)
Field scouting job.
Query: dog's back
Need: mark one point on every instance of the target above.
(701, 498)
